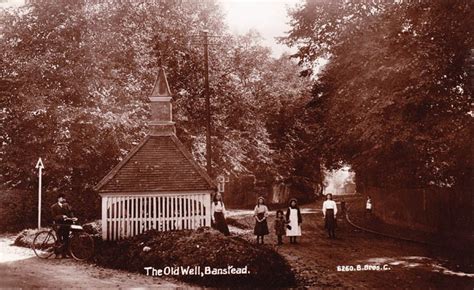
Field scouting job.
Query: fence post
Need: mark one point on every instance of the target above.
(104, 217)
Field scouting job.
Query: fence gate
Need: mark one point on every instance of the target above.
(130, 215)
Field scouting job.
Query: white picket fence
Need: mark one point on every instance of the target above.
(130, 215)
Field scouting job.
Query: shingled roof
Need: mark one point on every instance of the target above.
(160, 163)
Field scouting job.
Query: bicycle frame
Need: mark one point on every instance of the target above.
(77, 236)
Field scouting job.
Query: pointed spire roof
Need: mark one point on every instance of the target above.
(161, 88)
(160, 163)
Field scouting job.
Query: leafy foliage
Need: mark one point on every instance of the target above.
(394, 99)
(76, 76)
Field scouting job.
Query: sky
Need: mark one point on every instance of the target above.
(11, 3)
(268, 17)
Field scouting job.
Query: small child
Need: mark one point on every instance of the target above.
(280, 224)
(368, 206)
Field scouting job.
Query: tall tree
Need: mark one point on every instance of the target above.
(75, 79)
(394, 99)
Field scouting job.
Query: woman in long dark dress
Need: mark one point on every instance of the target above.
(329, 212)
(218, 215)
(261, 214)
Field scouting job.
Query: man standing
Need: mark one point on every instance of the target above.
(63, 217)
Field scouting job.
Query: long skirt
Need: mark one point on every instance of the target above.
(330, 221)
(261, 228)
(220, 223)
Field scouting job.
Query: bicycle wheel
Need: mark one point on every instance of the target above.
(44, 244)
(81, 246)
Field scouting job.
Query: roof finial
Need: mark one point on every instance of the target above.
(161, 122)
(161, 88)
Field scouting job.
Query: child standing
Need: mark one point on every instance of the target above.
(368, 206)
(280, 225)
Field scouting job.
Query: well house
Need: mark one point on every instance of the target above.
(158, 185)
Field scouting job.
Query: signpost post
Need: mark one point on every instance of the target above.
(221, 181)
(39, 166)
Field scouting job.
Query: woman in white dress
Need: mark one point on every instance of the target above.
(294, 219)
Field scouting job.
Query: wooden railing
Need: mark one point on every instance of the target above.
(130, 215)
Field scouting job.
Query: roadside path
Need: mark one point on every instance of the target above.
(19, 267)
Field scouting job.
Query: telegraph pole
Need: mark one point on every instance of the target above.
(208, 104)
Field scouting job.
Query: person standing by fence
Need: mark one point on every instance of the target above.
(329, 213)
(218, 215)
(260, 214)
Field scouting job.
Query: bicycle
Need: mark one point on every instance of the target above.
(81, 245)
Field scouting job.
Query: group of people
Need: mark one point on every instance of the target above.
(288, 223)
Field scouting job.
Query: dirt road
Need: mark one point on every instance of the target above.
(20, 268)
(316, 258)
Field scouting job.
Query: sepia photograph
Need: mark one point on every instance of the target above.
(236, 144)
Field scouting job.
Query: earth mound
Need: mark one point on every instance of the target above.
(204, 247)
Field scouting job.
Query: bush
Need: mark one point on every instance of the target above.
(25, 238)
(93, 228)
(17, 210)
(204, 247)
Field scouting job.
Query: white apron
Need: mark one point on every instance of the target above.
(295, 228)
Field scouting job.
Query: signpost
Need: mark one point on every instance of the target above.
(39, 166)
(221, 181)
